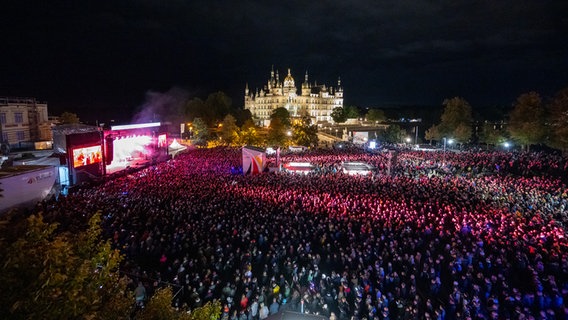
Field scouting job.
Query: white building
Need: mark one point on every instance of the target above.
(317, 101)
(23, 120)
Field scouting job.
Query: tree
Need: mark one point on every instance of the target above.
(214, 108)
(375, 115)
(351, 112)
(68, 118)
(160, 308)
(200, 131)
(277, 133)
(218, 105)
(249, 134)
(338, 115)
(194, 109)
(283, 115)
(433, 134)
(229, 130)
(393, 134)
(527, 120)
(242, 116)
(462, 133)
(47, 275)
(457, 114)
(558, 120)
(491, 135)
(305, 133)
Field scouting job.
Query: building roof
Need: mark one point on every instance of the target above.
(74, 128)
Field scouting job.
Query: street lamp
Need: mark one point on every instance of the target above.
(336, 132)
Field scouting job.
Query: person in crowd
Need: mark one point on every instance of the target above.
(435, 235)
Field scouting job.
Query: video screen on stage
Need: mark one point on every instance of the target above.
(87, 155)
(162, 140)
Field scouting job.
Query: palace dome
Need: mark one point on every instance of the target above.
(289, 81)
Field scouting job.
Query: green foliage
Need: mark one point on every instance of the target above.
(376, 115)
(491, 135)
(215, 107)
(218, 104)
(61, 276)
(393, 134)
(462, 133)
(160, 308)
(304, 133)
(351, 112)
(249, 134)
(456, 119)
(68, 118)
(242, 116)
(433, 134)
(527, 120)
(194, 108)
(281, 114)
(558, 120)
(277, 133)
(229, 130)
(210, 311)
(338, 115)
(200, 131)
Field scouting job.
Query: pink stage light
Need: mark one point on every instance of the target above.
(128, 148)
(135, 126)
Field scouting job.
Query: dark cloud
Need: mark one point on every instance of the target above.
(110, 53)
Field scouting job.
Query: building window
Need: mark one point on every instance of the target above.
(21, 136)
(2, 118)
(18, 117)
(4, 136)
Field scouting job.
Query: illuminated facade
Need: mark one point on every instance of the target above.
(317, 101)
(24, 120)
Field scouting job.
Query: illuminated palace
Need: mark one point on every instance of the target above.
(317, 101)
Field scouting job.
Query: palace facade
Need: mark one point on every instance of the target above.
(317, 101)
(23, 120)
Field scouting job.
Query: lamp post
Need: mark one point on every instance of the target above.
(444, 155)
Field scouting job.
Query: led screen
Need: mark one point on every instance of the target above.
(87, 155)
(162, 141)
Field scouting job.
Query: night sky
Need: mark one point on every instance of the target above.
(104, 58)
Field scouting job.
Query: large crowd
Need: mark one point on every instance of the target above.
(427, 235)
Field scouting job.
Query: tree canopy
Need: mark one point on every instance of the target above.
(491, 134)
(376, 115)
(558, 120)
(281, 114)
(68, 118)
(249, 134)
(393, 134)
(200, 131)
(160, 308)
(527, 120)
(305, 133)
(338, 115)
(214, 108)
(229, 130)
(277, 133)
(50, 275)
(455, 121)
